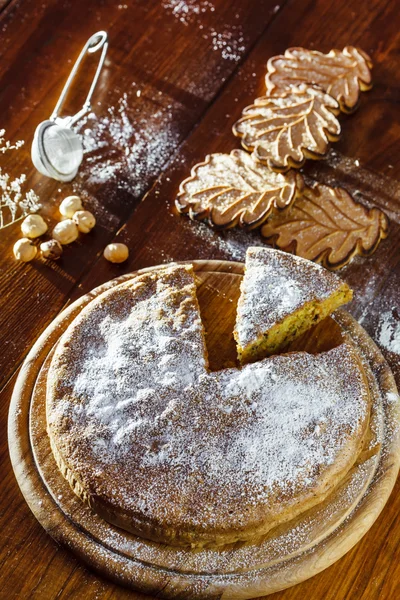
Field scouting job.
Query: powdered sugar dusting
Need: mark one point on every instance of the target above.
(379, 303)
(144, 423)
(274, 286)
(233, 243)
(125, 150)
(186, 10)
(230, 42)
(388, 332)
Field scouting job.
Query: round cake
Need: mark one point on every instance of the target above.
(157, 444)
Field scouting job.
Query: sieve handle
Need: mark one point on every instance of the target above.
(95, 42)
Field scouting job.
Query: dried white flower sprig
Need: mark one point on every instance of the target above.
(14, 203)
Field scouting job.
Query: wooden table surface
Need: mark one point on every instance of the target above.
(176, 78)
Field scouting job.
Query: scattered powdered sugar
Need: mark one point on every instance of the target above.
(144, 424)
(388, 331)
(186, 10)
(128, 146)
(230, 42)
(379, 300)
(233, 243)
(125, 149)
(392, 398)
(286, 281)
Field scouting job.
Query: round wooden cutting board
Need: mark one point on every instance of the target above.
(289, 553)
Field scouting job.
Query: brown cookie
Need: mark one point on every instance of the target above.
(284, 130)
(231, 190)
(326, 225)
(342, 74)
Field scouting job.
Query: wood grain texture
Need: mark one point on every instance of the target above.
(171, 102)
(278, 560)
(4, 4)
(159, 53)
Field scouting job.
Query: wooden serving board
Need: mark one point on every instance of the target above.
(287, 555)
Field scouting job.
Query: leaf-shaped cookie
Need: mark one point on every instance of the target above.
(232, 189)
(326, 225)
(283, 131)
(342, 74)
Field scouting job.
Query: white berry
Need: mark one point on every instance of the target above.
(33, 226)
(51, 249)
(65, 232)
(24, 250)
(116, 253)
(84, 220)
(70, 205)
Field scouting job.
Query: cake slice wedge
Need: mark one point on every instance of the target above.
(282, 296)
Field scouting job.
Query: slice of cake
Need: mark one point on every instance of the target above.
(282, 296)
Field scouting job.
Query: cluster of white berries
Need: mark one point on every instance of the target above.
(75, 220)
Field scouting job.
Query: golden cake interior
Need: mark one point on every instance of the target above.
(280, 336)
(282, 296)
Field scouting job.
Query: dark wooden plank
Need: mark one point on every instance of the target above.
(159, 77)
(4, 4)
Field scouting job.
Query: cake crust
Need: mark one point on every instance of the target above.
(158, 445)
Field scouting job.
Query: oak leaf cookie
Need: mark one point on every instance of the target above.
(326, 225)
(232, 189)
(342, 74)
(284, 130)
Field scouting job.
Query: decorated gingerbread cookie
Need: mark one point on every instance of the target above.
(232, 189)
(282, 131)
(326, 225)
(340, 73)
